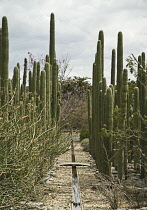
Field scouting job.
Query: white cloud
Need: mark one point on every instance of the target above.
(77, 27)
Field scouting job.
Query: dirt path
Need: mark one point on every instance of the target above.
(60, 183)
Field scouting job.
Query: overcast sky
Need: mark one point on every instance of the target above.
(78, 23)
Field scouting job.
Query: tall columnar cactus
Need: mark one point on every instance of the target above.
(30, 84)
(113, 63)
(52, 39)
(108, 137)
(137, 124)
(34, 79)
(101, 38)
(97, 77)
(99, 145)
(119, 67)
(25, 73)
(139, 80)
(0, 62)
(54, 103)
(59, 102)
(48, 91)
(38, 84)
(5, 60)
(142, 84)
(47, 58)
(89, 120)
(122, 153)
(16, 85)
(43, 94)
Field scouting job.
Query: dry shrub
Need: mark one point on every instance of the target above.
(27, 150)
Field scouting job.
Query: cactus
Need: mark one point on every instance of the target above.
(30, 84)
(34, 79)
(89, 121)
(48, 91)
(43, 94)
(47, 58)
(97, 77)
(0, 62)
(101, 38)
(122, 125)
(54, 91)
(5, 61)
(16, 85)
(52, 39)
(113, 67)
(25, 73)
(137, 123)
(119, 67)
(38, 84)
(108, 137)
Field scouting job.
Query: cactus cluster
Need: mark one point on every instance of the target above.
(41, 94)
(111, 123)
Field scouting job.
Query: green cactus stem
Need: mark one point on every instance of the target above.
(47, 58)
(16, 85)
(5, 60)
(25, 73)
(54, 90)
(48, 91)
(89, 120)
(113, 64)
(108, 137)
(52, 39)
(30, 84)
(101, 38)
(119, 67)
(122, 153)
(43, 94)
(0, 63)
(137, 124)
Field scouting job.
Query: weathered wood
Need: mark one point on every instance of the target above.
(73, 164)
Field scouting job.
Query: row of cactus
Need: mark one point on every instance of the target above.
(111, 121)
(41, 92)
